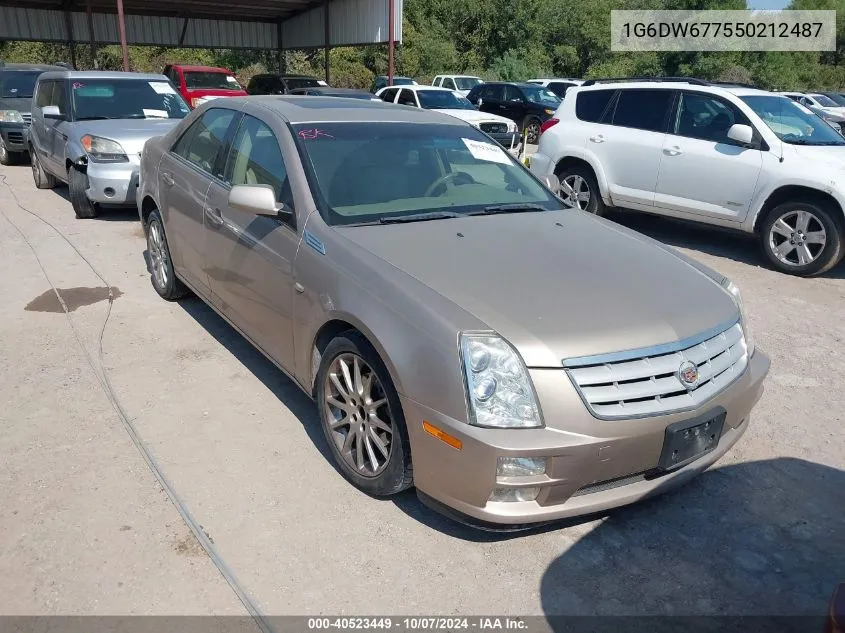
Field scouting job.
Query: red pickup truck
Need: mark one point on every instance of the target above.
(198, 84)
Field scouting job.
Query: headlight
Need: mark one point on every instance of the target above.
(10, 116)
(103, 149)
(499, 390)
(549, 111)
(732, 288)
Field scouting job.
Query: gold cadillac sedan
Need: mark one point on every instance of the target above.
(460, 331)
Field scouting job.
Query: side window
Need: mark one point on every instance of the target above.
(559, 88)
(450, 84)
(591, 104)
(44, 94)
(642, 109)
(512, 93)
(202, 142)
(436, 81)
(707, 118)
(59, 97)
(494, 93)
(389, 95)
(256, 159)
(406, 97)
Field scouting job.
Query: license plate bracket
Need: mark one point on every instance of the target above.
(688, 440)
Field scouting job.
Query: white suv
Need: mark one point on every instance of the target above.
(459, 83)
(726, 155)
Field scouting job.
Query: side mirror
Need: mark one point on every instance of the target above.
(553, 183)
(52, 112)
(741, 133)
(258, 200)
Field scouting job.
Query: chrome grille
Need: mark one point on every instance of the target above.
(494, 128)
(638, 385)
(27, 117)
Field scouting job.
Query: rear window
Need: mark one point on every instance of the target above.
(210, 81)
(301, 82)
(17, 84)
(591, 104)
(643, 109)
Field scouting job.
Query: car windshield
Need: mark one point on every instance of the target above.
(384, 172)
(301, 82)
(210, 80)
(126, 99)
(837, 98)
(402, 81)
(17, 84)
(442, 100)
(467, 83)
(793, 123)
(543, 96)
(825, 102)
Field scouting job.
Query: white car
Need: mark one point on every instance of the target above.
(559, 85)
(500, 129)
(816, 101)
(459, 83)
(735, 157)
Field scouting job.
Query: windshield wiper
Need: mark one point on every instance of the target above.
(419, 217)
(802, 141)
(518, 207)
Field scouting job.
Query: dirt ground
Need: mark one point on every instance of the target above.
(85, 527)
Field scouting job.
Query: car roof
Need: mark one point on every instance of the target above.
(297, 109)
(99, 74)
(423, 88)
(461, 76)
(29, 67)
(740, 91)
(284, 76)
(205, 69)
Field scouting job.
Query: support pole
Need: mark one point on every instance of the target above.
(390, 41)
(326, 43)
(70, 40)
(121, 25)
(281, 52)
(183, 33)
(91, 39)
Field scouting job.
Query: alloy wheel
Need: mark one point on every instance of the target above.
(797, 238)
(358, 415)
(532, 133)
(158, 254)
(575, 192)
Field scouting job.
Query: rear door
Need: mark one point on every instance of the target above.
(702, 171)
(492, 99)
(41, 128)
(389, 95)
(630, 148)
(250, 257)
(185, 174)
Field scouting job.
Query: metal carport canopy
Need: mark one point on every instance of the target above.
(236, 24)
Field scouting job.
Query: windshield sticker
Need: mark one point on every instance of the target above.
(77, 85)
(486, 151)
(314, 243)
(313, 134)
(155, 114)
(232, 80)
(162, 87)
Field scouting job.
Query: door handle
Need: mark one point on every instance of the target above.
(168, 179)
(598, 138)
(215, 217)
(672, 151)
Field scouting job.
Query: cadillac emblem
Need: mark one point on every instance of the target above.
(688, 374)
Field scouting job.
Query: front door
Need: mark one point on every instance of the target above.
(513, 106)
(702, 171)
(249, 258)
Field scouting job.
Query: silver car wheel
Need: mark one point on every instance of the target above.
(4, 153)
(158, 254)
(357, 415)
(575, 192)
(797, 238)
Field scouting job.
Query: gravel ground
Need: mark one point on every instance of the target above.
(86, 529)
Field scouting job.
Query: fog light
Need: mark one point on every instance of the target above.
(520, 466)
(514, 494)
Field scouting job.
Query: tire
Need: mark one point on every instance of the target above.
(394, 472)
(77, 183)
(802, 237)
(164, 279)
(7, 157)
(42, 179)
(531, 126)
(575, 181)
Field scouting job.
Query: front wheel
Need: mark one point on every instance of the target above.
(78, 187)
(802, 238)
(362, 417)
(531, 126)
(579, 190)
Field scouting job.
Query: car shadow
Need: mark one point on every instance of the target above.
(763, 538)
(716, 241)
(107, 213)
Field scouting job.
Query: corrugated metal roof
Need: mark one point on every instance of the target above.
(350, 22)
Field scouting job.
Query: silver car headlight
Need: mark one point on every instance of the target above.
(499, 389)
(10, 116)
(732, 288)
(103, 149)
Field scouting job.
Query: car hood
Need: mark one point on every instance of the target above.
(130, 133)
(21, 105)
(474, 116)
(557, 285)
(215, 92)
(828, 156)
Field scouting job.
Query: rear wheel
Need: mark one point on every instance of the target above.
(579, 189)
(41, 178)
(802, 238)
(164, 279)
(78, 186)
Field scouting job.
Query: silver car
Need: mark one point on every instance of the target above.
(459, 330)
(88, 129)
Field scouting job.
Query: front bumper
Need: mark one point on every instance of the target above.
(14, 136)
(592, 465)
(113, 183)
(507, 139)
